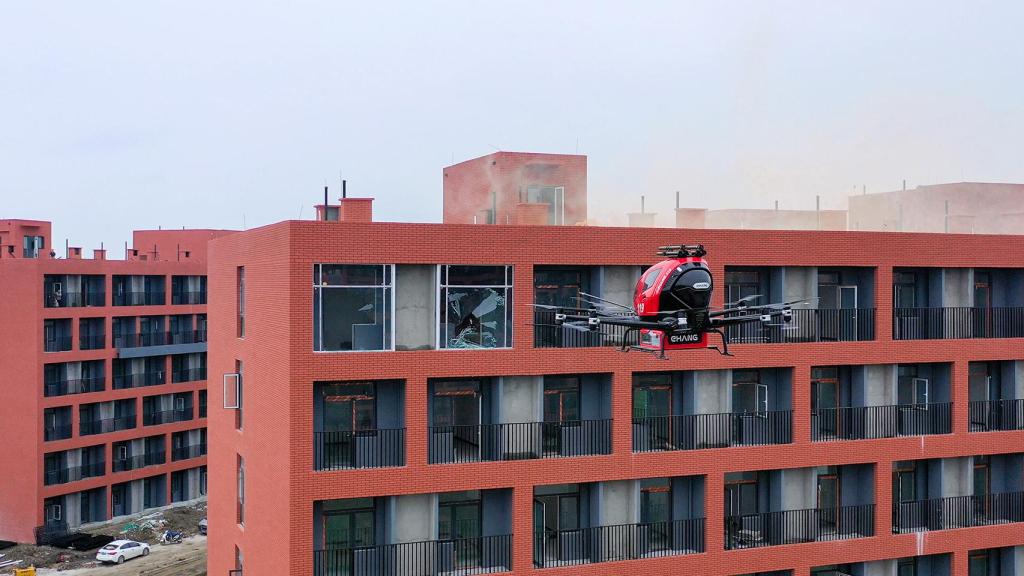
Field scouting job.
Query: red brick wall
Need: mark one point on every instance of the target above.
(468, 185)
(281, 369)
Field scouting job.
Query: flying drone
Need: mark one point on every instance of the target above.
(672, 307)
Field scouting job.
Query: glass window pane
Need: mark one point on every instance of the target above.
(568, 512)
(353, 319)
(474, 318)
(349, 275)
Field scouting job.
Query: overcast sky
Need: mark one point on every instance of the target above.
(138, 114)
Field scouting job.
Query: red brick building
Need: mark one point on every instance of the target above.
(392, 403)
(516, 188)
(103, 371)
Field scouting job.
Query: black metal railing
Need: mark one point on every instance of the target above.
(73, 473)
(190, 451)
(459, 557)
(957, 322)
(140, 461)
(809, 325)
(139, 298)
(336, 450)
(868, 422)
(188, 375)
(57, 432)
(699, 431)
(795, 526)
(519, 441)
(73, 299)
(57, 344)
(989, 415)
(957, 512)
(76, 386)
(139, 379)
(133, 340)
(92, 341)
(553, 548)
(188, 297)
(166, 416)
(105, 425)
(548, 334)
(52, 530)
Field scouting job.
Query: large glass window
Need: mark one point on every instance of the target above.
(352, 307)
(459, 515)
(749, 396)
(475, 307)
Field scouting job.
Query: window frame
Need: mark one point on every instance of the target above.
(440, 294)
(388, 288)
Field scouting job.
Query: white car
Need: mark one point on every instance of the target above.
(120, 550)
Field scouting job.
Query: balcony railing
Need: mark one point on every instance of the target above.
(868, 422)
(989, 415)
(519, 441)
(166, 416)
(92, 341)
(553, 548)
(73, 299)
(958, 512)
(79, 386)
(190, 451)
(431, 558)
(132, 340)
(188, 297)
(188, 375)
(547, 334)
(139, 298)
(73, 473)
(810, 325)
(57, 344)
(57, 432)
(699, 431)
(139, 461)
(795, 526)
(339, 450)
(961, 322)
(139, 379)
(105, 425)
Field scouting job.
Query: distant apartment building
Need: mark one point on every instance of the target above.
(956, 208)
(103, 371)
(393, 405)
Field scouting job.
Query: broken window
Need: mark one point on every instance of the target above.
(475, 307)
(352, 307)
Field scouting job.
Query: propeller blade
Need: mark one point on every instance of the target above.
(743, 300)
(603, 301)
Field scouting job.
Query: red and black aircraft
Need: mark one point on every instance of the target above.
(672, 307)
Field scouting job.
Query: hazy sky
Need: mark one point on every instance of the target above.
(116, 115)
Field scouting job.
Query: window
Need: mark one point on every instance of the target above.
(740, 493)
(561, 399)
(349, 407)
(459, 515)
(749, 396)
(241, 490)
(349, 523)
(904, 481)
(911, 390)
(557, 508)
(238, 394)
(456, 403)
(475, 307)
(352, 307)
(32, 245)
(241, 301)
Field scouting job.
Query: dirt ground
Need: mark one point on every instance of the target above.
(185, 559)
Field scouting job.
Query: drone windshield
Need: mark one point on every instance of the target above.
(693, 288)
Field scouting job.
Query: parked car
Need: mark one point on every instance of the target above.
(120, 550)
(202, 526)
